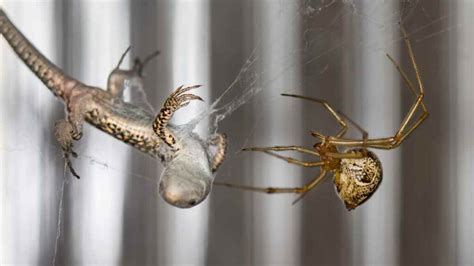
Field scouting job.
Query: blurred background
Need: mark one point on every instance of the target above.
(255, 49)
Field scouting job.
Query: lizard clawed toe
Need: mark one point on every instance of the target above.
(179, 98)
(185, 99)
(182, 98)
(64, 133)
(72, 152)
(69, 163)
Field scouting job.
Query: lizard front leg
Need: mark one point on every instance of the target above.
(179, 98)
(217, 149)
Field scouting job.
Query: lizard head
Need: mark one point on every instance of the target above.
(187, 178)
(183, 184)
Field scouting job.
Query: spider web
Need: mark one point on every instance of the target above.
(318, 55)
(322, 49)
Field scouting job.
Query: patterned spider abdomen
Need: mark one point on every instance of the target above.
(358, 178)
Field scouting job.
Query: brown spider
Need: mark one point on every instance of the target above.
(357, 171)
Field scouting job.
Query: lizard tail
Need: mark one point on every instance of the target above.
(59, 83)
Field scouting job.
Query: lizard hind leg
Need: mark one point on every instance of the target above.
(121, 79)
(65, 135)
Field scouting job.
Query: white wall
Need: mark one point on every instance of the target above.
(28, 164)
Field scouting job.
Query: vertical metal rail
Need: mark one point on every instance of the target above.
(429, 158)
(185, 230)
(226, 223)
(325, 219)
(276, 224)
(140, 225)
(373, 98)
(28, 170)
(97, 198)
(463, 62)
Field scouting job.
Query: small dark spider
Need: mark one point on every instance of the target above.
(357, 171)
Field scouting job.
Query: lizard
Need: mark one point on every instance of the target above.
(189, 162)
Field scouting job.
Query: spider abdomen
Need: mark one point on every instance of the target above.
(358, 178)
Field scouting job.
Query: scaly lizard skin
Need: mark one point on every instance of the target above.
(189, 161)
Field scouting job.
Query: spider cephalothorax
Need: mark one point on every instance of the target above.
(325, 150)
(357, 171)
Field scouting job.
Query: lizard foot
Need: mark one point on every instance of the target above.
(139, 65)
(179, 98)
(64, 133)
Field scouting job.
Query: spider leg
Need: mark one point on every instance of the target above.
(331, 110)
(269, 151)
(406, 79)
(271, 190)
(365, 134)
(345, 155)
(405, 128)
(386, 143)
(393, 142)
(283, 148)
